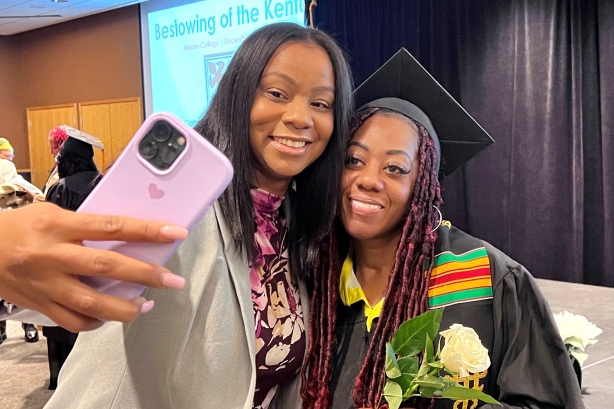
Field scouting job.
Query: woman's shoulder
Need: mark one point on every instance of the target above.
(209, 237)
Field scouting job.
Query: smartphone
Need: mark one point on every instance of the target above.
(167, 172)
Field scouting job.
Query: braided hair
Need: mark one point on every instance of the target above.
(406, 294)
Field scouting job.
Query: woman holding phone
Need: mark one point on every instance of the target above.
(236, 336)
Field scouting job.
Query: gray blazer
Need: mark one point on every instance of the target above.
(195, 349)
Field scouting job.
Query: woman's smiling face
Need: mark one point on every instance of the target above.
(292, 116)
(379, 177)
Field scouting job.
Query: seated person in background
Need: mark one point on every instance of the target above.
(394, 258)
(8, 172)
(78, 177)
(7, 167)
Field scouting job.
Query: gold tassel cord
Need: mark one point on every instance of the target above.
(313, 4)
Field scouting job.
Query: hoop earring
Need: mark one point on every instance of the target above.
(440, 218)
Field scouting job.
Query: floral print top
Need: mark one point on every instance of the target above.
(280, 328)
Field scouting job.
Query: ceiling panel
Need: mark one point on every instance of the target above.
(17, 16)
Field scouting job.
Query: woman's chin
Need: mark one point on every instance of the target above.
(360, 232)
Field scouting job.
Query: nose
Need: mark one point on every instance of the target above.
(298, 114)
(369, 178)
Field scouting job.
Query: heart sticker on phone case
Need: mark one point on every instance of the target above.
(154, 192)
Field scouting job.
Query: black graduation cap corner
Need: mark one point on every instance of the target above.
(402, 76)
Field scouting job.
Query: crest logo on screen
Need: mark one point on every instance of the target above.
(215, 66)
(154, 192)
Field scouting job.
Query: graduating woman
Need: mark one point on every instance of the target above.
(394, 258)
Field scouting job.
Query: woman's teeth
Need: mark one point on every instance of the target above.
(292, 144)
(366, 205)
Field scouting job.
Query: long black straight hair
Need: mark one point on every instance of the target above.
(226, 124)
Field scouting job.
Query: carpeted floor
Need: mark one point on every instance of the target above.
(24, 371)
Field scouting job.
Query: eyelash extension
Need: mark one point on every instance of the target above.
(401, 170)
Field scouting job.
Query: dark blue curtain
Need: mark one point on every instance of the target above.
(538, 76)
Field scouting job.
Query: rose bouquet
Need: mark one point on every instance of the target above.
(578, 333)
(414, 368)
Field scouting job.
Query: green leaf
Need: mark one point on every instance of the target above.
(438, 353)
(392, 367)
(408, 365)
(429, 392)
(404, 382)
(429, 349)
(410, 338)
(449, 383)
(411, 391)
(460, 393)
(429, 382)
(393, 394)
(424, 369)
(436, 364)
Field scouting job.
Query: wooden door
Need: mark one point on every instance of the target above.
(95, 121)
(40, 121)
(114, 122)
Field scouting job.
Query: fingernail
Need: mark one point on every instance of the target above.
(174, 232)
(170, 280)
(147, 306)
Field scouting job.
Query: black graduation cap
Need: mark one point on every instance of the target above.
(402, 76)
(80, 143)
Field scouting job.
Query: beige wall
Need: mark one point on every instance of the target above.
(12, 113)
(92, 58)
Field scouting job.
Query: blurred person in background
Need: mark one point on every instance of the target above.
(8, 172)
(78, 175)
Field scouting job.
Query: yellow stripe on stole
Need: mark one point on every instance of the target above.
(459, 286)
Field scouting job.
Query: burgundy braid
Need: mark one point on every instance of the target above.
(406, 295)
(317, 369)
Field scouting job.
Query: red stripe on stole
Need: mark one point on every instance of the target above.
(481, 272)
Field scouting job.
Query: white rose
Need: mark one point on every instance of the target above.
(577, 326)
(463, 351)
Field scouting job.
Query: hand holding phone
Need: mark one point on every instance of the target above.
(167, 172)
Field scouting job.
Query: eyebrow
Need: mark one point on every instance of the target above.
(388, 152)
(398, 152)
(293, 82)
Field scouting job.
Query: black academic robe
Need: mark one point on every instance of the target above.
(530, 367)
(72, 190)
(68, 193)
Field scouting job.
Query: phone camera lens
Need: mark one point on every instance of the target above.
(148, 149)
(169, 153)
(161, 131)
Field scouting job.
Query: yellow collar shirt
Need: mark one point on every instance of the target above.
(351, 292)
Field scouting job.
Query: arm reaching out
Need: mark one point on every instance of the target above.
(42, 252)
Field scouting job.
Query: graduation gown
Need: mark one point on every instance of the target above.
(68, 193)
(72, 190)
(530, 367)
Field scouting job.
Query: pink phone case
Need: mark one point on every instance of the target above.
(180, 195)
